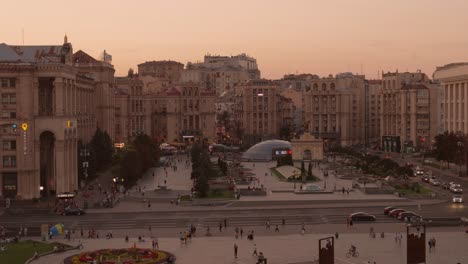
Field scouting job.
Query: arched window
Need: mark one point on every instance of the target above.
(332, 87)
(315, 87)
(324, 87)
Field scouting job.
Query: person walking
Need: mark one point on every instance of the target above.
(430, 245)
(283, 222)
(241, 232)
(220, 227)
(235, 250)
(268, 225)
(433, 243)
(225, 223)
(255, 250)
(276, 228)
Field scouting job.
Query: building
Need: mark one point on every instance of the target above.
(260, 110)
(167, 72)
(184, 113)
(454, 80)
(410, 111)
(372, 113)
(334, 109)
(51, 99)
(225, 105)
(221, 73)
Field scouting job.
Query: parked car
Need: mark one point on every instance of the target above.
(73, 211)
(457, 198)
(445, 185)
(406, 215)
(456, 188)
(360, 216)
(395, 212)
(388, 209)
(434, 182)
(425, 178)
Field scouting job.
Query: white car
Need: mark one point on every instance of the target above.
(457, 199)
(456, 188)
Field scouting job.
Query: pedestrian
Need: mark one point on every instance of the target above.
(283, 222)
(303, 229)
(255, 250)
(343, 190)
(225, 223)
(220, 227)
(268, 225)
(25, 231)
(156, 242)
(351, 222)
(181, 236)
(433, 243)
(430, 245)
(241, 232)
(81, 232)
(347, 191)
(371, 231)
(276, 228)
(235, 250)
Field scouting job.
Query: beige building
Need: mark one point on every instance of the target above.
(334, 109)
(260, 109)
(454, 81)
(221, 73)
(184, 113)
(373, 93)
(410, 112)
(51, 98)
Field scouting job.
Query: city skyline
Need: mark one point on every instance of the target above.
(365, 36)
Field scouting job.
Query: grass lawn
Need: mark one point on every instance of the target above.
(18, 253)
(278, 174)
(422, 190)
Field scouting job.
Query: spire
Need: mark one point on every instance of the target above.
(65, 39)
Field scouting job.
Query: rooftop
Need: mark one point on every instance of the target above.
(32, 54)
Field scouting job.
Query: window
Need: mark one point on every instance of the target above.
(9, 161)
(4, 82)
(12, 82)
(5, 114)
(12, 98)
(13, 115)
(9, 144)
(6, 145)
(4, 98)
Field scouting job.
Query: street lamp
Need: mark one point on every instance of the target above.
(460, 148)
(85, 154)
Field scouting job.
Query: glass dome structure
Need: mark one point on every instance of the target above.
(265, 150)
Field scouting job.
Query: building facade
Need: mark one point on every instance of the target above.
(334, 109)
(454, 80)
(221, 73)
(48, 104)
(410, 112)
(260, 110)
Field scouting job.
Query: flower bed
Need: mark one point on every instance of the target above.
(122, 256)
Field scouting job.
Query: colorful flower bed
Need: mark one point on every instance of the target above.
(122, 256)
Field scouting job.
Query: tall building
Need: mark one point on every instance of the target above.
(260, 109)
(184, 113)
(410, 111)
(221, 73)
(454, 81)
(51, 98)
(334, 109)
(373, 92)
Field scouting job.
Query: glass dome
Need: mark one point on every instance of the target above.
(264, 151)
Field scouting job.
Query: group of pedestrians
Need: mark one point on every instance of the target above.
(432, 244)
(261, 259)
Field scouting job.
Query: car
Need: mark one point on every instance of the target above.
(457, 198)
(425, 178)
(386, 210)
(406, 215)
(395, 212)
(73, 211)
(435, 182)
(445, 185)
(360, 216)
(418, 172)
(456, 188)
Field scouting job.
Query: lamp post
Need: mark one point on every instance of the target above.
(85, 154)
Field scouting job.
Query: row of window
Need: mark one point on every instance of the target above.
(8, 82)
(9, 161)
(6, 114)
(9, 144)
(9, 98)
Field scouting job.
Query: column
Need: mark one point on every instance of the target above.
(59, 171)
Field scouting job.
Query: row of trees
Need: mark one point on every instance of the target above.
(98, 155)
(201, 168)
(132, 163)
(451, 147)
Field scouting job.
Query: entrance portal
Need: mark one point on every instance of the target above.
(47, 157)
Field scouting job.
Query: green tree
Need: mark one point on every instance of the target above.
(285, 132)
(101, 149)
(446, 147)
(131, 168)
(147, 150)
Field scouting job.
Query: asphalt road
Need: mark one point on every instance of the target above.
(241, 217)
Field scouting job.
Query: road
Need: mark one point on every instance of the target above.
(241, 217)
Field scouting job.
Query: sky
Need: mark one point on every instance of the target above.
(285, 36)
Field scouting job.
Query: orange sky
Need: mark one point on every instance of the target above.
(286, 36)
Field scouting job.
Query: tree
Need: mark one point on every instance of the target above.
(131, 168)
(446, 147)
(224, 120)
(147, 150)
(238, 130)
(285, 132)
(101, 149)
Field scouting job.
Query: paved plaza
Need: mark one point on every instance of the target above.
(285, 249)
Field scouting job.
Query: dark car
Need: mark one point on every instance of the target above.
(445, 185)
(361, 217)
(425, 178)
(386, 210)
(395, 212)
(406, 215)
(73, 211)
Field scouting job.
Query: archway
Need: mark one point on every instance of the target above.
(47, 157)
(307, 155)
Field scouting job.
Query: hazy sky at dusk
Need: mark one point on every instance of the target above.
(305, 36)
